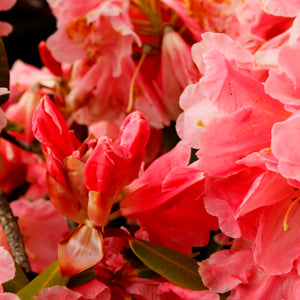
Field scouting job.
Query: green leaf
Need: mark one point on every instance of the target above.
(178, 268)
(81, 278)
(18, 282)
(4, 72)
(49, 277)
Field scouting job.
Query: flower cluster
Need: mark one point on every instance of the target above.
(155, 154)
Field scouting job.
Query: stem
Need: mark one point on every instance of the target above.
(147, 49)
(114, 215)
(13, 235)
(24, 146)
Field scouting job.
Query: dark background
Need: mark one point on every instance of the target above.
(32, 22)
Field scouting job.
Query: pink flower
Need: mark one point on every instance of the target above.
(167, 201)
(283, 82)
(226, 269)
(278, 8)
(42, 228)
(57, 292)
(6, 28)
(81, 32)
(83, 184)
(285, 147)
(7, 267)
(117, 274)
(94, 290)
(177, 70)
(169, 291)
(237, 103)
(13, 158)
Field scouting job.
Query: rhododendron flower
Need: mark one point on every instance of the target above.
(167, 201)
(121, 278)
(57, 292)
(237, 98)
(42, 228)
(14, 158)
(6, 28)
(7, 267)
(177, 70)
(83, 184)
(278, 8)
(169, 291)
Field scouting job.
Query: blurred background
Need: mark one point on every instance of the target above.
(32, 22)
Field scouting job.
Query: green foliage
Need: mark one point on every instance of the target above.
(178, 268)
(81, 278)
(49, 277)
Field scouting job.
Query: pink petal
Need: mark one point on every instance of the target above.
(285, 147)
(94, 290)
(80, 251)
(279, 8)
(7, 266)
(42, 227)
(224, 270)
(169, 291)
(57, 293)
(7, 4)
(271, 240)
(9, 296)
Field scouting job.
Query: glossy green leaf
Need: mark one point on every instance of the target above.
(49, 277)
(18, 282)
(178, 268)
(81, 278)
(4, 72)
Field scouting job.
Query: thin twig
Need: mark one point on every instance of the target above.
(13, 235)
(24, 146)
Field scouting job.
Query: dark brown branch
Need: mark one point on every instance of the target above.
(25, 146)
(13, 235)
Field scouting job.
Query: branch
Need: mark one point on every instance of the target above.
(13, 235)
(24, 146)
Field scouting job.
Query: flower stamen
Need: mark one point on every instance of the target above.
(146, 50)
(286, 227)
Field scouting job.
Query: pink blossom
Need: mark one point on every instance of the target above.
(242, 101)
(94, 290)
(83, 184)
(7, 267)
(57, 292)
(177, 70)
(112, 165)
(235, 270)
(223, 270)
(271, 239)
(169, 291)
(6, 28)
(284, 146)
(283, 82)
(13, 158)
(98, 95)
(166, 193)
(42, 228)
(120, 276)
(9, 296)
(278, 8)
(81, 32)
